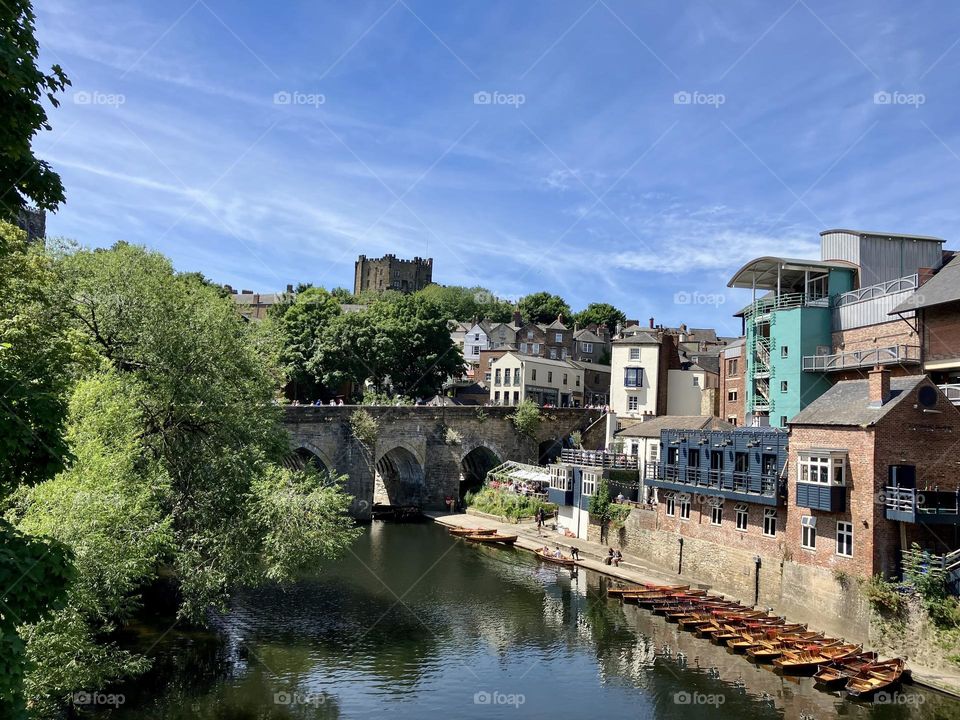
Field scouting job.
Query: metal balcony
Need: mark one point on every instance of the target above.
(940, 507)
(599, 458)
(729, 484)
(952, 391)
(854, 359)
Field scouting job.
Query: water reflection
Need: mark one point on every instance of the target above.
(413, 622)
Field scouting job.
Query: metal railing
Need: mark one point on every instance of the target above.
(952, 391)
(786, 301)
(903, 284)
(600, 458)
(709, 478)
(851, 359)
(922, 502)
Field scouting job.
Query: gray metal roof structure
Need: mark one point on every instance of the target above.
(942, 288)
(762, 272)
(651, 428)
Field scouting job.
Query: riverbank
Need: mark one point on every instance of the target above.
(633, 570)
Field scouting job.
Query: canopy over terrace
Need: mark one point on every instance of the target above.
(784, 274)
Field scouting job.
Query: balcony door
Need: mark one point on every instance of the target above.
(693, 465)
(716, 467)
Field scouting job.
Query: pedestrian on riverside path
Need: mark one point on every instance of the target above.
(574, 552)
(539, 517)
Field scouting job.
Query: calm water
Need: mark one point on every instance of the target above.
(415, 624)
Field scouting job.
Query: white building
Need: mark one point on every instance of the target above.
(635, 375)
(517, 377)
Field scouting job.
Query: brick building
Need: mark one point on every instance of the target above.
(873, 469)
(732, 364)
(391, 273)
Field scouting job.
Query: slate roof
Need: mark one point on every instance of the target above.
(942, 288)
(708, 361)
(555, 325)
(651, 428)
(641, 338)
(847, 403)
(595, 367)
(586, 335)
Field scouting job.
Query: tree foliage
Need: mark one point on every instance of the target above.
(527, 418)
(601, 314)
(24, 178)
(455, 302)
(300, 325)
(542, 307)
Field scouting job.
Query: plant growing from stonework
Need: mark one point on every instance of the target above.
(600, 504)
(481, 415)
(452, 436)
(930, 584)
(576, 438)
(526, 418)
(364, 428)
(884, 596)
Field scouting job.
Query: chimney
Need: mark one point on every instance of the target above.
(246, 292)
(651, 323)
(289, 288)
(229, 289)
(879, 386)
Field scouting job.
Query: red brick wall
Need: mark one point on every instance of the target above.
(898, 332)
(699, 525)
(732, 381)
(941, 333)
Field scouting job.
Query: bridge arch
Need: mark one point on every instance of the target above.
(305, 452)
(399, 478)
(475, 464)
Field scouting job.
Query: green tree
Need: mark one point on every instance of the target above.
(401, 345)
(24, 178)
(542, 307)
(299, 326)
(601, 314)
(455, 302)
(343, 295)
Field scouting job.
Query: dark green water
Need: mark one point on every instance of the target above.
(415, 624)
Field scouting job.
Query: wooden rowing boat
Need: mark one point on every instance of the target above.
(546, 557)
(770, 651)
(643, 589)
(870, 681)
(460, 531)
(494, 538)
(806, 661)
(837, 673)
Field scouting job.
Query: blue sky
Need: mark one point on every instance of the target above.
(266, 143)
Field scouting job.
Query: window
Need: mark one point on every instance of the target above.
(516, 376)
(586, 347)
(486, 377)
(476, 349)
(589, 484)
(578, 381)
(716, 514)
(732, 367)
(769, 522)
(564, 378)
(784, 386)
(553, 353)
(671, 508)
(732, 419)
(533, 374)
(741, 462)
(516, 397)
(558, 337)
(654, 452)
(476, 337)
(560, 479)
(784, 351)
(536, 348)
(529, 334)
(634, 353)
(845, 539)
(742, 517)
(808, 532)
(732, 396)
(506, 376)
(633, 377)
(633, 403)
(496, 396)
(685, 507)
(696, 381)
(783, 421)
(523, 348)
(549, 376)
(497, 377)
(823, 468)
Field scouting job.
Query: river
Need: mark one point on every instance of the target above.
(415, 624)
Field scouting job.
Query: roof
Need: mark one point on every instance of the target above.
(736, 343)
(891, 236)
(538, 360)
(591, 366)
(260, 298)
(651, 428)
(847, 403)
(762, 272)
(587, 335)
(942, 288)
(640, 338)
(707, 361)
(555, 325)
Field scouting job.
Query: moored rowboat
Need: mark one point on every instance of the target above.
(494, 538)
(563, 560)
(870, 681)
(460, 531)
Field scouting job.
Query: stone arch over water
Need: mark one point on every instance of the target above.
(474, 466)
(399, 479)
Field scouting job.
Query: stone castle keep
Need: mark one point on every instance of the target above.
(391, 273)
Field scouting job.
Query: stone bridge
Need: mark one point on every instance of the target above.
(422, 455)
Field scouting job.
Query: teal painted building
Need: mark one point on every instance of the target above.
(790, 320)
